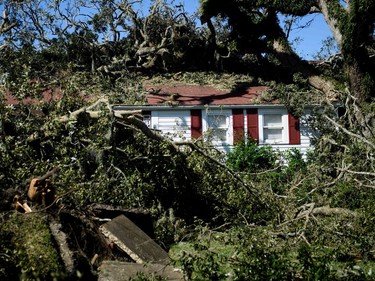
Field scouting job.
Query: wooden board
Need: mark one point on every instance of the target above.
(116, 271)
(132, 240)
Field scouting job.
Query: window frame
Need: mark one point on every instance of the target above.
(284, 126)
(207, 126)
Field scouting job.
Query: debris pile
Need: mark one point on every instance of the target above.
(100, 242)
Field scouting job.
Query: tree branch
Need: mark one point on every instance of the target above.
(349, 133)
(356, 173)
(73, 116)
(194, 147)
(331, 21)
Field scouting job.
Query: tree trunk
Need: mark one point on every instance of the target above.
(361, 82)
(289, 59)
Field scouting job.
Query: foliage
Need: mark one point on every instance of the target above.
(27, 248)
(147, 277)
(250, 157)
(295, 95)
(251, 253)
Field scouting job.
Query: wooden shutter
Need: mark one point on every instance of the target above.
(252, 124)
(294, 131)
(196, 123)
(238, 126)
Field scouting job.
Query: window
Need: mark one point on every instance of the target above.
(217, 127)
(172, 123)
(146, 116)
(273, 127)
(147, 120)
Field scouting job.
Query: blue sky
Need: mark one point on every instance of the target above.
(311, 37)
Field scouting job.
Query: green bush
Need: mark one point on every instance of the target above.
(250, 157)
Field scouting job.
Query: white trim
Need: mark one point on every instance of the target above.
(284, 126)
(155, 120)
(229, 126)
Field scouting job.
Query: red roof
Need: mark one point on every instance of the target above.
(46, 96)
(201, 95)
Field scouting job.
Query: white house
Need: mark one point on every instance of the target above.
(186, 112)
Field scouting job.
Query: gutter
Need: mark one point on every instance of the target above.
(188, 107)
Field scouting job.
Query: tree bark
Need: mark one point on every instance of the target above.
(289, 59)
(331, 21)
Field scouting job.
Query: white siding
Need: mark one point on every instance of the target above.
(176, 124)
(307, 133)
(172, 123)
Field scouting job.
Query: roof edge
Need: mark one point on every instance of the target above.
(176, 107)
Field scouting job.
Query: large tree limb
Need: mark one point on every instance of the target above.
(138, 124)
(61, 240)
(328, 211)
(289, 59)
(73, 115)
(310, 209)
(305, 211)
(346, 131)
(356, 172)
(330, 19)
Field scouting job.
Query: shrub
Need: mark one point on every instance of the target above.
(250, 157)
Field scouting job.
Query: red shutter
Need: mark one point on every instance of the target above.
(196, 123)
(238, 125)
(294, 132)
(252, 124)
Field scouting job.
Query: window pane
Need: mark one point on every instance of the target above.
(272, 135)
(217, 121)
(147, 120)
(271, 120)
(219, 134)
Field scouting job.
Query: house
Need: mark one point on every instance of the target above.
(224, 118)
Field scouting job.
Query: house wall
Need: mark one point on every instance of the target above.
(176, 124)
(305, 132)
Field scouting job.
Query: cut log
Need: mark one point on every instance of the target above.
(116, 271)
(132, 240)
(62, 243)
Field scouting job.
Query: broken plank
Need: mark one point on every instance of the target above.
(132, 240)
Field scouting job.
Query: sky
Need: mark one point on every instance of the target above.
(310, 37)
